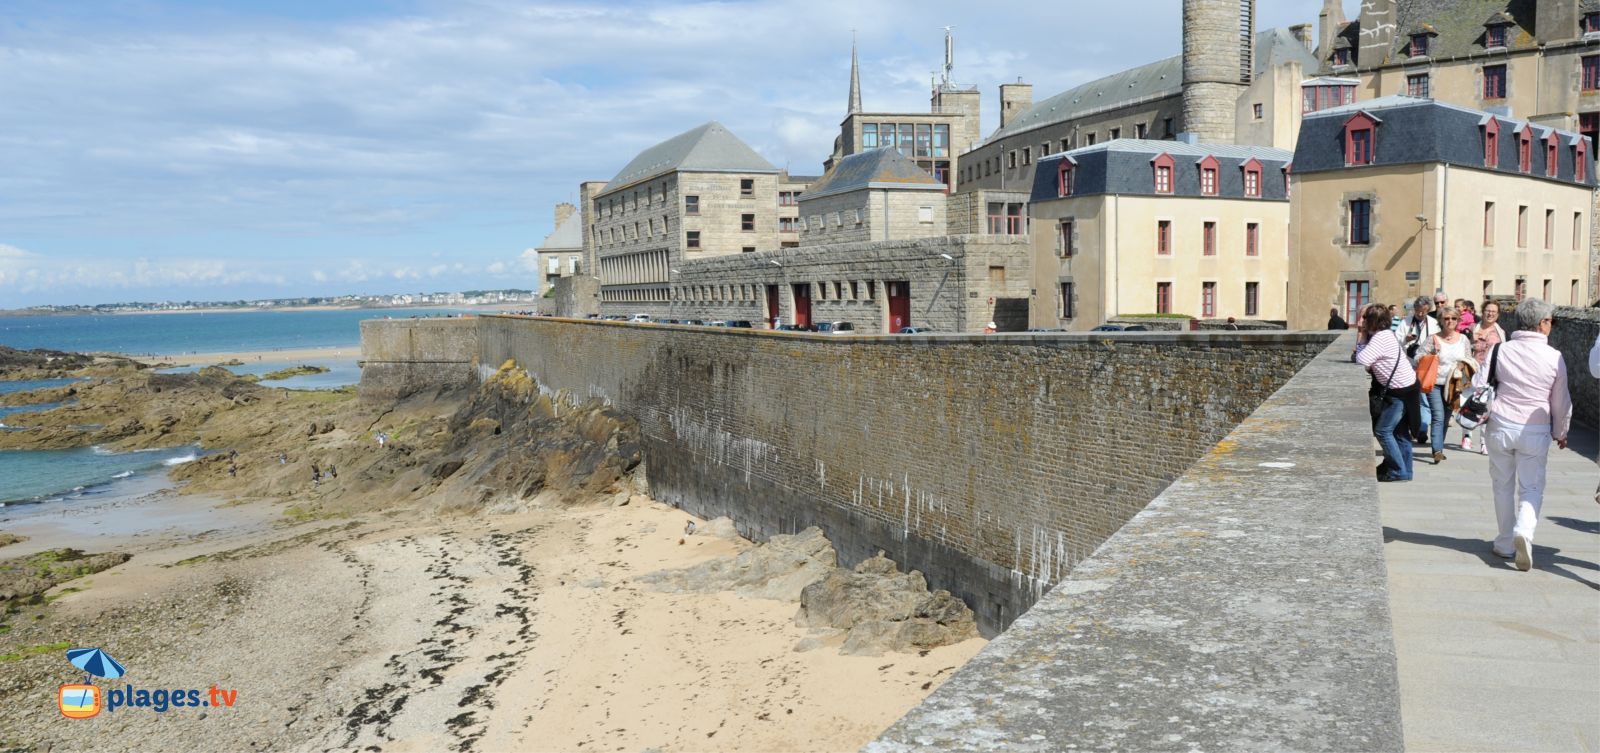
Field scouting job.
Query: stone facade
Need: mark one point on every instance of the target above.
(991, 463)
(402, 357)
(1573, 334)
(869, 214)
(856, 282)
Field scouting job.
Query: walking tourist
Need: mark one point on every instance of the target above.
(1394, 317)
(1393, 394)
(1440, 300)
(1451, 348)
(1485, 335)
(1469, 316)
(1594, 371)
(1415, 330)
(1531, 408)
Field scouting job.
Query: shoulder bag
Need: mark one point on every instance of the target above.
(1375, 400)
(1475, 408)
(1428, 368)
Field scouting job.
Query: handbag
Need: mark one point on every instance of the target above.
(1475, 408)
(1375, 402)
(1428, 367)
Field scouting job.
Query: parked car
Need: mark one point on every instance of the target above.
(791, 328)
(1136, 328)
(836, 328)
(740, 324)
(1107, 328)
(1038, 330)
(640, 319)
(915, 331)
(716, 323)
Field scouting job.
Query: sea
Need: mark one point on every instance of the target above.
(53, 477)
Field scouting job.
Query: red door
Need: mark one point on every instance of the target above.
(802, 305)
(899, 305)
(772, 306)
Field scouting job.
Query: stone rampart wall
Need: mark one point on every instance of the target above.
(991, 463)
(1573, 334)
(400, 357)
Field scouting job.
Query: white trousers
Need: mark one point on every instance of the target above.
(1517, 455)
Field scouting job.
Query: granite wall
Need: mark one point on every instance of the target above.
(1573, 333)
(991, 463)
(401, 357)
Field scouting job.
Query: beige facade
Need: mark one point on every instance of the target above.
(1116, 266)
(1482, 233)
(873, 214)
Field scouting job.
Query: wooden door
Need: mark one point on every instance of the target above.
(899, 305)
(802, 305)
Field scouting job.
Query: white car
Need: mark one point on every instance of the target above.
(640, 319)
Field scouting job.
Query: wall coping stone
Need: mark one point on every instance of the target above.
(1245, 608)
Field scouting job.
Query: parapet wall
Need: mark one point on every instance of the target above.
(400, 357)
(1573, 335)
(991, 463)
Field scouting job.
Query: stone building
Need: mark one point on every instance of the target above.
(931, 139)
(699, 194)
(1138, 226)
(1538, 61)
(1398, 196)
(879, 195)
(946, 283)
(561, 253)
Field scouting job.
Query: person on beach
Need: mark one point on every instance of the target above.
(1394, 384)
(333, 471)
(283, 458)
(1531, 409)
(1451, 347)
(688, 528)
(1486, 333)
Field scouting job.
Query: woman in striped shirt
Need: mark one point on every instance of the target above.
(1398, 417)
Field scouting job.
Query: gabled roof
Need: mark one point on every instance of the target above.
(879, 168)
(1124, 167)
(568, 236)
(708, 148)
(1163, 78)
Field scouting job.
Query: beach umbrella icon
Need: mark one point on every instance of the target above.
(95, 662)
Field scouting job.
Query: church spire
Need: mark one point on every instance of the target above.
(855, 77)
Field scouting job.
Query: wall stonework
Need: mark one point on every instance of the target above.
(991, 463)
(1573, 335)
(401, 357)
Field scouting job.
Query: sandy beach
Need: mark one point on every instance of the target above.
(287, 355)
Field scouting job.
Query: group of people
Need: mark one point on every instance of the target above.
(1459, 351)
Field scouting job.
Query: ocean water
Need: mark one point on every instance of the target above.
(341, 372)
(196, 332)
(28, 476)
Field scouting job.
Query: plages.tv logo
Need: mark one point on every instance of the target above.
(84, 700)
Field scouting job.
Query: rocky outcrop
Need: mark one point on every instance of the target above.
(24, 578)
(39, 363)
(883, 609)
(778, 569)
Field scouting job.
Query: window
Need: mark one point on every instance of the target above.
(925, 215)
(1591, 73)
(1360, 222)
(1068, 249)
(869, 136)
(997, 218)
(1044, 149)
(1341, 56)
(1488, 289)
(1064, 178)
(1491, 143)
(941, 140)
(1116, 133)
(1208, 299)
(1256, 110)
(1580, 161)
(1590, 23)
(1016, 223)
(1163, 173)
(1417, 85)
(1551, 162)
(1252, 178)
(855, 290)
(872, 290)
(1549, 232)
(908, 138)
(855, 216)
(1166, 126)
(1525, 148)
(693, 239)
(1090, 140)
(1589, 125)
(1208, 176)
(1357, 294)
(747, 187)
(1210, 238)
(787, 198)
(1495, 36)
(1547, 290)
(691, 205)
(924, 146)
(1139, 130)
(1164, 237)
(1011, 159)
(748, 249)
(1522, 227)
(1163, 298)
(1252, 239)
(1027, 155)
(1419, 45)
(1069, 308)
(1252, 299)
(747, 223)
(1488, 223)
(1521, 290)
(1359, 141)
(886, 135)
(1494, 82)
(785, 224)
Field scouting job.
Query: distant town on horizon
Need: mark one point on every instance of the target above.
(385, 300)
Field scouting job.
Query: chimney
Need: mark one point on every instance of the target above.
(1329, 21)
(1302, 32)
(1015, 99)
(563, 211)
(1378, 19)
(1555, 21)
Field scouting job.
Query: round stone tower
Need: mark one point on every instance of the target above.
(1218, 60)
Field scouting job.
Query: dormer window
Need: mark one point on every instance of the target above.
(1341, 56)
(1162, 168)
(1491, 143)
(1495, 37)
(1525, 148)
(1208, 176)
(1252, 178)
(1064, 178)
(1590, 23)
(1419, 45)
(1287, 169)
(1360, 139)
(1551, 144)
(1580, 160)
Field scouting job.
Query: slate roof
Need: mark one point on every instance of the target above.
(1122, 166)
(1163, 78)
(707, 148)
(568, 236)
(1418, 131)
(1460, 26)
(879, 168)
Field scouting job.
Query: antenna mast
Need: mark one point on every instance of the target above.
(949, 55)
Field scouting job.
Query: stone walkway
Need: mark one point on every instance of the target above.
(1492, 659)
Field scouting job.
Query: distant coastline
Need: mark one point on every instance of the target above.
(514, 306)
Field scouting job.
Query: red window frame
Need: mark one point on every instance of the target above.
(1209, 234)
(1252, 299)
(1552, 157)
(1360, 222)
(1417, 85)
(1163, 298)
(1163, 237)
(1580, 160)
(1287, 169)
(1591, 72)
(1590, 22)
(1357, 294)
(1360, 139)
(1491, 143)
(1064, 179)
(1252, 177)
(1252, 239)
(1208, 176)
(1208, 299)
(1495, 36)
(1419, 45)
(1525, 148)
(1067, 248)
(1161, 171)
(1494, 82)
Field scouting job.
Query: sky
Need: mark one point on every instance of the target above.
(184, 150)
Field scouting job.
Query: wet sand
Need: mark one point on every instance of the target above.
(286, 355)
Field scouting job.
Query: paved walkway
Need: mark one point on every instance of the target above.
(1492, 659)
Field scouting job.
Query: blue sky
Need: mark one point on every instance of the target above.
(178, 149)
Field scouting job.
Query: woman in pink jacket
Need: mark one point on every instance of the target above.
(1531, 408)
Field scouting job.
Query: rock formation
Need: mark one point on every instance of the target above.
(778, 569)
(884, 610)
